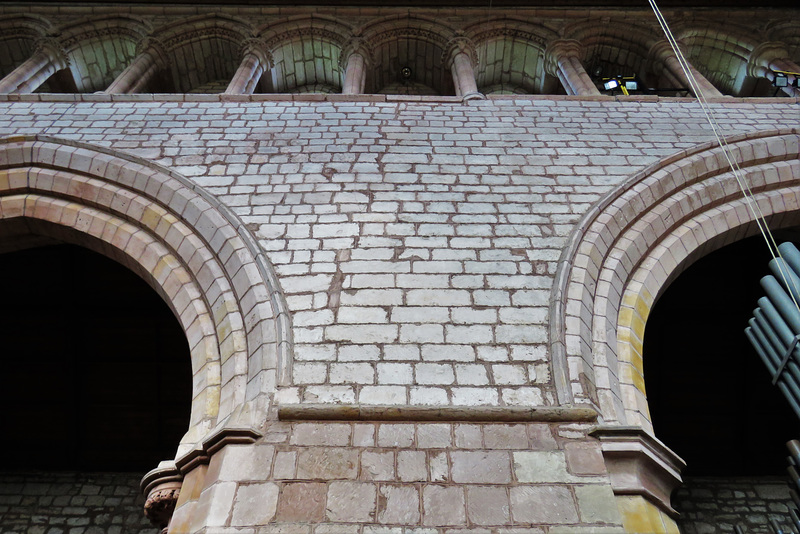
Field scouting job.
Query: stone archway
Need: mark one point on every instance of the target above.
(622, 256)
(192, 250)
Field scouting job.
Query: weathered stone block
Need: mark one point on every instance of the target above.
(481, 467)
(350, 502)
(255, 504)
(543, 505)
(327, 463)
(321, 434)
(597, 504)
(443, 506)
(411, 466)
(398, 505)
(377, 465)
(302, 502)
(488, 505)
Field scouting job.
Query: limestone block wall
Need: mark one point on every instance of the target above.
(424, 477)
(416, 241)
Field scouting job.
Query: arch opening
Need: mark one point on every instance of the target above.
(96, 384)
(711, 399)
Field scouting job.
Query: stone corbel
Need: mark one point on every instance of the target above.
(161, 488)
(639, 464)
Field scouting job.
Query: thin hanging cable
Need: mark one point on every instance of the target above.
(736, 170)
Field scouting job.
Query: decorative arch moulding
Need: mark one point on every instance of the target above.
(628, 248)
(193, 250)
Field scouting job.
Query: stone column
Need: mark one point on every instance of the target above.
(461, 58)
(150, 59)
(662, 52)
(355, 58)
(562, 60)
(769, 57)
(255, 61)
(47, 60)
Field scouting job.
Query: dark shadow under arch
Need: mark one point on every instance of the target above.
(96, 369)
(710, 397)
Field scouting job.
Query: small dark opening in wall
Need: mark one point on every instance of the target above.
(96, 368)
(710, 396)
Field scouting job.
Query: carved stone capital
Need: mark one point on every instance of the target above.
(155, 48)
(556, 50)
(162, 487)
(459, 45)
(763, 55)
(53, 48)
(639, 464)
(258, 48)
(660, 51)
(355, 46)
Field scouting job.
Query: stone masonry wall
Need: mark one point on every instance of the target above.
(427, 477)
(74, 503)
(715, 505)
(416, 239)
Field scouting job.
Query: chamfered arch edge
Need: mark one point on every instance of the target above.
(155, 202)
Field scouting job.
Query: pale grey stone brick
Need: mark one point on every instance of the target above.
(363, 435)
(358, 353)
(372, 297)
(314, 352)
(471, 374)
(443, 506)
(362, 315)
(433, 436)
(401, 352)
(309, 373)
(504, 374)
(421, 333)
(334, 394)
(395, 435)
(528, 353)
(493, 354)
(255, 504)
(431, 373)
(377, 465)
(428, 396)
(473, 396)
(417, 314)
(285, 465)
(395, 373)
(437, 297)
(352, 373)
(487, 505)
(383, 395)
(351, 502)
(473, 316)
(399, 505)
(469, 334)
(362, 333)
(321, 434)
(481, 467)
(412, 466)
(543, 504)
(522, 396)
(458, 353)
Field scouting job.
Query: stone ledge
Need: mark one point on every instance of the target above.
(483, 414)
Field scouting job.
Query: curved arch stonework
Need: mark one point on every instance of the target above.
(626, 252)
(193, 251)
